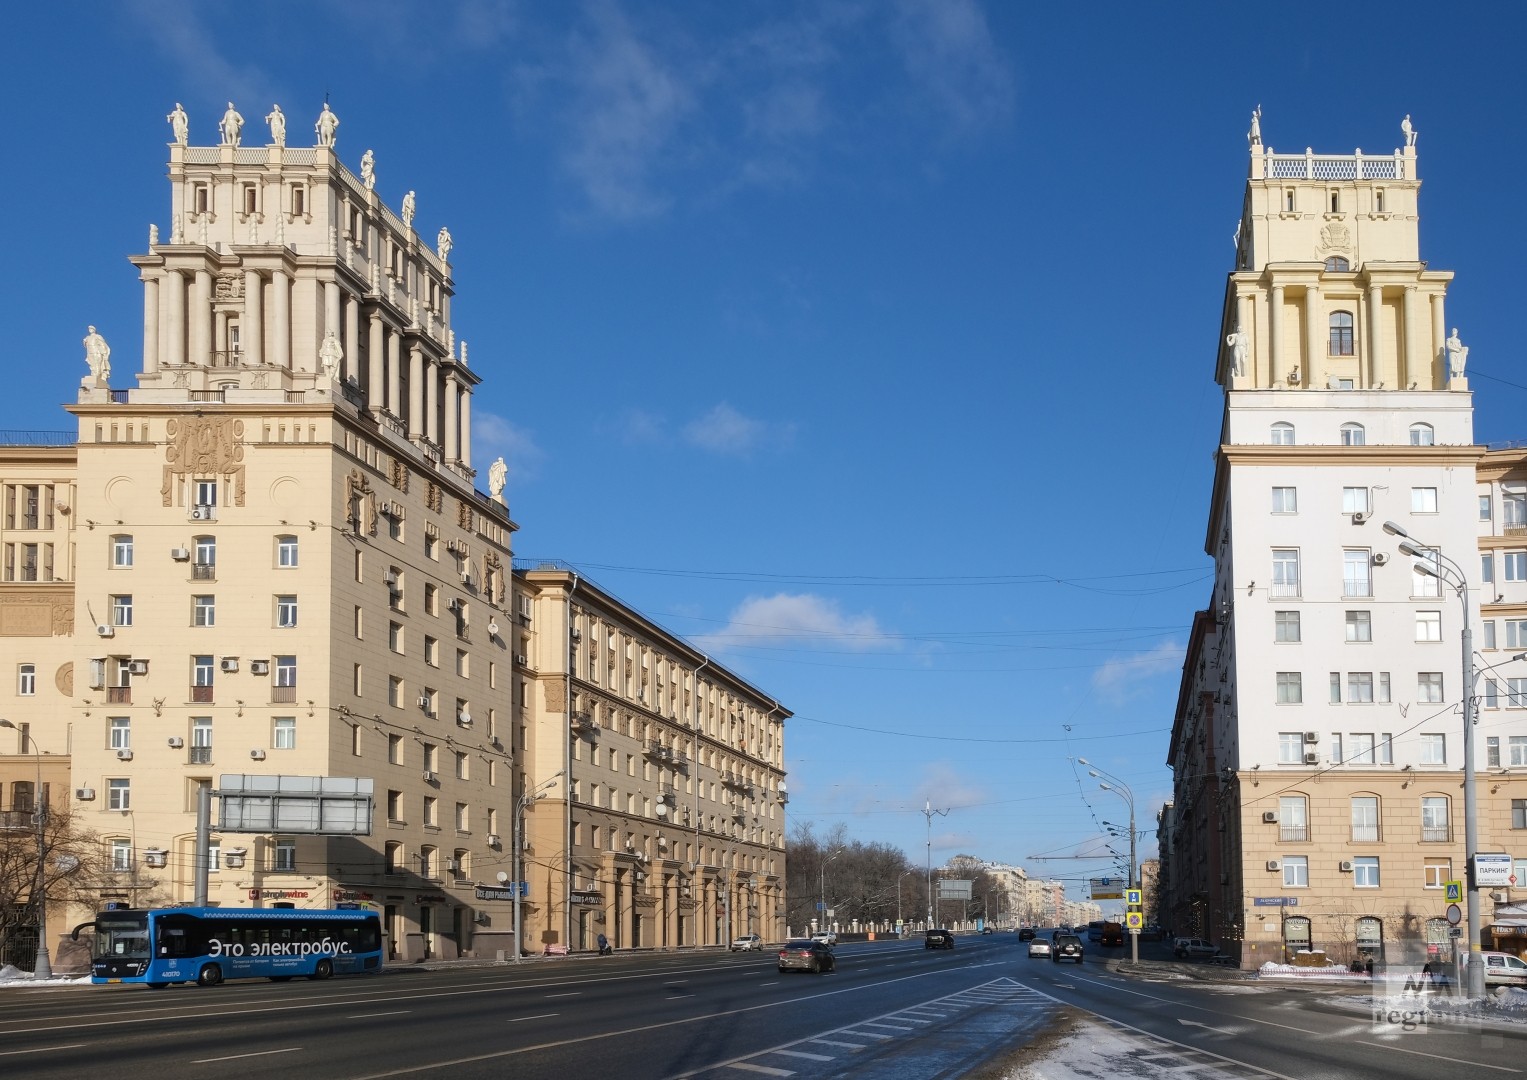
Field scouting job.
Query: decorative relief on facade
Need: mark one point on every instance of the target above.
(63, 679)
(361, 500)
(553, 692)
(204, 447)
(464, 515)
(228, 287)
(1334, 236)
(434, 499)
(400, 475)
(35, 614)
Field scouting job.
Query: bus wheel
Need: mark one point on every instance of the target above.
(210, 975)
(322, 970)
(157, 986)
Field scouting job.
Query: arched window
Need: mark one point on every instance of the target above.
(1337, 265)
(1342, 341)
(1370, 936)
(1422, 435)
(1352, 434)
(1283, 434)
(1296, 933)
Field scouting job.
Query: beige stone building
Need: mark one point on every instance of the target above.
(1317, 744)
(264, 554)
(662, 822)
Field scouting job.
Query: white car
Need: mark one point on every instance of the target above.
(747, 943)
(826, 937)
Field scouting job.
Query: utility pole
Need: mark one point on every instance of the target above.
(929, 812)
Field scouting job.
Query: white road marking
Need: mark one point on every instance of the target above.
(574, 993)
(367, 1016)
(537, 1016)
(40, 1050)
(1206, 1027)
(869, 1035)
(1450, 1059)
(760, 1069)
(882, 1023)
(236, 1057)
(803, 1054)
(840, 1045)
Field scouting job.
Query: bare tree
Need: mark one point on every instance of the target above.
(74, 864)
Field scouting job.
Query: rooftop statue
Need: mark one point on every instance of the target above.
(409, 206)
(1254, 136)
(277, 122)
(1408, 131)
(231, 126)
(368, 170)
(98, 357)
(497, 473)
(443, 243)
(1239, 343)
(326, 125)
(330, 353)
(179, 124)
(1457, 355)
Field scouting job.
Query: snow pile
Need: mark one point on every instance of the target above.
(1271, 970)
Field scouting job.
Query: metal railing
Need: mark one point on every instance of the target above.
(282, 695)
(1292, 834)
(199, 755)
(119, 695)
(201, 695)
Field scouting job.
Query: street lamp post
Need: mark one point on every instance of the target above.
(929, 812)
(904, 873)
(1109, 782)
(532, 795)
(42, 967)
(822, 886)
(1433, 563)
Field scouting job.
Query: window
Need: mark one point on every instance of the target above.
(1293, 819)
(1516, 693)
(394, 858)
(1488, 626)
(1428, 626)
(1515, 563)
(431, 805)
(395, 749)
(462, 759)
(121, 552)
(1422, 435)
(1429, 686)
(1516, 750)
(1433, 749)
(1365, 872)
(119, 794)
(394, 805)
(1434, 820)
(1421, 582)
(1487, 567)
(201, 740)
(1296, 872)
(462, 818)
(286, 611)
(205, 566)
(121, 732)
(1436, 872)
(206, 492)
(1484, 508)
(286, 552)
(286, 671)
(1357, 572)
(1492, 755)
(1285, 572)
(284, 734)
(1335, 688)
(122, 610)
(395, 637)
(26, 680)
(1337, 757)
(431, 651)
(1290, 689)
(1341, 334)
(1516, 633)
(1423, 500)
(1336, 264)
(1365, 819)
(1282, 434)
(203, 611)
(1514, 505)
(1290, 748)
(1354, 500)
(1359, 626)
(1285, 500)
(285, 855)
(201, 671)
(1286, 626)
(1386, 745)
(1352, 434)
(121, 856)
(1360, 692)
(395, 693)
(431, 599)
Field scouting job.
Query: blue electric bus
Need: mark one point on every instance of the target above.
(206, 945)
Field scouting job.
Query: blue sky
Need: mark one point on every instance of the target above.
(869, 345)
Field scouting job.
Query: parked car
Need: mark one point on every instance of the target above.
(1039, 946)
(1150, 932)
(826, 937)
(747, 943)
(1189, 948)
(939, 939)
(1026, 933)
(987, 930)
(1066, 947)
(806, 954)
(1503, 969)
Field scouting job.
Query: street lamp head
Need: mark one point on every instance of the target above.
(662, 809)
(1394, 530)
(1410, 547)
(1083, 761)
(6, 723)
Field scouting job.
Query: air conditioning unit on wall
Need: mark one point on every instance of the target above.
(1270, 817)
(1345, 866)
(1274, 864)
(1311, 758)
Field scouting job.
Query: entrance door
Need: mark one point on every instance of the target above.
(427, 930)
(394, 923)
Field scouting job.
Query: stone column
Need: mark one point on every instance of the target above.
(150, 325)
(352, 338)
(415, 391)
(254, 316)
(451, 451)
(432, 401)
(394, 372)
(1439, 326)
(175, 318)
(1275, 336)
(281, 320)
(374, 363)
(1416, 369)
(1315, 324)
(1373, 347)
(331, 312)
(220, 336)
(466, 426)
(201, 318)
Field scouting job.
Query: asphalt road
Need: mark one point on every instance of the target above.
(892, 1010)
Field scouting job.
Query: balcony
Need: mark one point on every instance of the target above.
(200, 755)
(16, 820)
(1436, 834)
(282, 695)
(1293, 834)
(201, 695)
(119, 695)
(203, 571)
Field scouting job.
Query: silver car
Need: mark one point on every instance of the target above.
(1039, 947)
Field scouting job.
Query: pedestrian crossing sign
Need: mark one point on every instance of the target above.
(1454, 891)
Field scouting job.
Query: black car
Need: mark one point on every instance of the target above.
(806, 954)
(1026, 933)
(1067, 947)
(939, 939)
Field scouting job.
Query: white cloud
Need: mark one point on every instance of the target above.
(176, 27)
(797, 620)
(948, 51)
(493, 436)
(1120, 678)
(724, 430)
(641, 426)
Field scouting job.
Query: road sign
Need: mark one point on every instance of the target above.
(1492, 870)
(1454, 914)
(1103, 888)
(1134, 920)
(1454, 891)
(1456, 931)
(1132, 897)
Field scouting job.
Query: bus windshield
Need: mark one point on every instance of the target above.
(121, 937)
